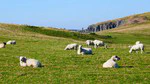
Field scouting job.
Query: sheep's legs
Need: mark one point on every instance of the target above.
(141, 51)
(95, 46)
(136, 51)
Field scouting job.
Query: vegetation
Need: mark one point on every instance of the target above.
(62, 66)
(65, 34)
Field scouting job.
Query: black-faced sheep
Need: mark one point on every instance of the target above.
(89, 42)
(83, 51)
(29, 62)
(111, 63)
(11, 42)
(2, 45)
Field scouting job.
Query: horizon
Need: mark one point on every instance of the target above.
(68, 14)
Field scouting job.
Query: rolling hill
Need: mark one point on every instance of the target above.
(60, 66)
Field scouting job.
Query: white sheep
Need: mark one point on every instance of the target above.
(11, 42)
(99, 43)
(71, 46)
(83, 51)
(111, 63)
(136, 48)
(89, 42)
(29, 62)
(2, 45)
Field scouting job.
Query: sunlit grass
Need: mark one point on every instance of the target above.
(66, 66)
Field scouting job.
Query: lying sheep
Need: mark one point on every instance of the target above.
(11, 42)
(137, 47)
(29, 62)
(89, 42)
(83, 51)
(99, 43)
(111, 62)
(2, 45)
(71, 46)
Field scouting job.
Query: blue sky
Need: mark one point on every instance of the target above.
(69, 14)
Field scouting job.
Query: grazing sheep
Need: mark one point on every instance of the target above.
(136, 48)
(99, 43)
(2, 45)
(29, 62)
(111, 62)
(71, 46)
(89, 42)
(83, 51)
(11, 42)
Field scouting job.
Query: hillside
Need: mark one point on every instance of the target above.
(66, 67)
(133, 19)
(129, 33)
(14, 29)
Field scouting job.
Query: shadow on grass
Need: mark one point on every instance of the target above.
(147, 52)
(125, 66)
(41, 66)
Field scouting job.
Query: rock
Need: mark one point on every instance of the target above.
(115, 23)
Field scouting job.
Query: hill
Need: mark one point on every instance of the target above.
(14, 29)
(133, 19)
(62, 66)
(129, 33)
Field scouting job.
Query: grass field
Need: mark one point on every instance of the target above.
(66, 66)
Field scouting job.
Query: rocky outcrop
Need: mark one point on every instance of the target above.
(115, 23)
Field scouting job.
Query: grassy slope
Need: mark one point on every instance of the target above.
(66, 66)
(49, 32)
(147, 14)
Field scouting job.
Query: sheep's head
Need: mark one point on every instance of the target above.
(4, 43)
(137, 42)
(23, 59)
(115, 58)
(129, 46)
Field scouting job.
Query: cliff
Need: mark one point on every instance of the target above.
(134, 19)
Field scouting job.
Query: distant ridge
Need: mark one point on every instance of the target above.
(133, 19)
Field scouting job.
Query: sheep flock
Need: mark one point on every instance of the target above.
(80, 50)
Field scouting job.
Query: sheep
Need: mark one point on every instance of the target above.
(71, 46)
(89, 42)
(83, 51)
(137, 47)
(29, 62)
(99, 43)
(11, 42)
(2, 45)
(111, 62)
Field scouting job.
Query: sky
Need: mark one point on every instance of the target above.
(69, 14)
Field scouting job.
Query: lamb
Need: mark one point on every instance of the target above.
(2, 45)
(71, 46)
(83, 51)
(11, 42)
(99, 43)
(137, 47)
(89, 42)
(29, 62)
(111, 62)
